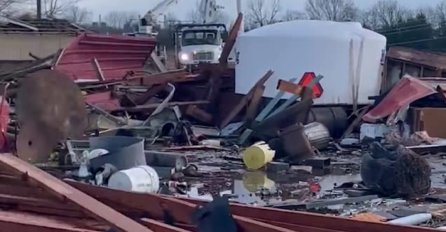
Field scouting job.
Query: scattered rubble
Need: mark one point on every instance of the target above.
(136, 147)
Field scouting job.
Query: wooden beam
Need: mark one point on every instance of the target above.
(155, 205)
(199, 114)
(160, 227)
(232, 37)
(283, 217)
(254, 103)
(238, 108)
(65, 192)
(23, 222)
(98, 69)
(289, 87)
(156, 60)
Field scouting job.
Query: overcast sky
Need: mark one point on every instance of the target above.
(183, 7)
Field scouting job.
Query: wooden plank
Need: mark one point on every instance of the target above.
(294, 98)
(355, 122)
(65, 192)
(238, 108)
(265, 112)
(282, 217)
(160, 227)
(155, 205)
(254, 103)
(21, 222)
(230, 42)
(156, 60)
(97, 69)
(289, 87)
(199, 114)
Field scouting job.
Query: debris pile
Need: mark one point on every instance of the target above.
(106, 117)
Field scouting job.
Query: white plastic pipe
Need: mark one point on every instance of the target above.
(412, 219)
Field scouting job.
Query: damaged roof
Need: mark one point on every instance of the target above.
(431, 59)
(33, 25)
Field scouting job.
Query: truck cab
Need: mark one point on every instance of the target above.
(196, 44)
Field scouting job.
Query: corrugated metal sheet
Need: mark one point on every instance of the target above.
(406, 91)
(116, 55)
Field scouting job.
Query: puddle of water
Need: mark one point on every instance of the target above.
(260, 188)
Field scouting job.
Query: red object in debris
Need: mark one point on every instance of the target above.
(406, 91)
(116, 56)
(103, 100)
(4, 120)
(315, 187)
(306, 79)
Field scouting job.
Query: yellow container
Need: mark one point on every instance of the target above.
(257, 155)
(254, 181)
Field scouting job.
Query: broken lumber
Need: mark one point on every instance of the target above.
(289, 87)
(233, 33)
(63, 191)
(155, 205)
(238, 108)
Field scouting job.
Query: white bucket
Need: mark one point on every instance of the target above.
(143, 179)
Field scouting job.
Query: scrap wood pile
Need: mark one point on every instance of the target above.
(32, 200)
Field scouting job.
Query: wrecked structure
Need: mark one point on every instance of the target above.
(130, 146)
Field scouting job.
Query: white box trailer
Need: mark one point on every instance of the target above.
(349, 57)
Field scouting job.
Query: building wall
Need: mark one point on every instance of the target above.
(16, 47)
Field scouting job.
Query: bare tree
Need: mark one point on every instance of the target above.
(291, 15)
(440, 13)
(9, 7)
(260, 14)
(388, 13)
(118, 19)
(334, 10)
(78, 15)
(55, 8)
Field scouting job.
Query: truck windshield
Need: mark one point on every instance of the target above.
(200, 37)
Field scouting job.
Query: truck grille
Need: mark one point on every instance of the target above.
(203, 56)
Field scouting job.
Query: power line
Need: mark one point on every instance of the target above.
(404, 31)
(401, 28)
(418, 41)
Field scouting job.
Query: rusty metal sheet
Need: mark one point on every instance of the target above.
(435, 60)
(406, 91)
(65, 192)
(161, 227)
(50, 104)
(155, 205)
(294, 220)
(25, 222)
(115, 54)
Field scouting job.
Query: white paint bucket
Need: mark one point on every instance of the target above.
(143, 179)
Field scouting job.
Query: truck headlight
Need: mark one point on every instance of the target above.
(184, 57)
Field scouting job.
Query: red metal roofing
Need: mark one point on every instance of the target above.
(115, 54)
(406, 91)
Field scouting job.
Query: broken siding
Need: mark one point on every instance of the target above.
(116, 56)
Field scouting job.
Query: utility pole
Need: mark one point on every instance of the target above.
(39, 9)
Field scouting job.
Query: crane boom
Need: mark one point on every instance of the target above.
(150, 19)
(209, 10)
(152, 15)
